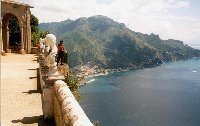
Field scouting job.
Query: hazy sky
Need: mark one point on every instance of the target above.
(176, 19)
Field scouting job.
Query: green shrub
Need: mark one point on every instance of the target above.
(72, 83)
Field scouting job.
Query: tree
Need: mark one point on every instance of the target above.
(14, 31)
(34, 22)
(43, 34)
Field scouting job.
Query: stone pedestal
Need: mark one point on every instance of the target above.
(3, 53)
(47, 103)
(47, 97)
(8, 51)
(22, 51)
(49, 81)
(49, 76)
(28, 51)
(54, 74)
(34, 50)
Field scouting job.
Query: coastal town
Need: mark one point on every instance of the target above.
(86, 71)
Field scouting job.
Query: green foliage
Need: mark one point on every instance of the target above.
(96, 123)
(14, 31)
(43, 34)
(34, 30)
(34, 22)
(99, 40)
(34, 39)
(72, 83)
(14, 25)
(77, 95)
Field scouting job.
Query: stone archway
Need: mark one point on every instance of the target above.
(22, 12)
(14, 35)
(7, 42)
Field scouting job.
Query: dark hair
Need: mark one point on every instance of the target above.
(61, 41)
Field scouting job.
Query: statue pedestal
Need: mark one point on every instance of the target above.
(22, 51)
(3, 53)
(47, 93)
(8, 50)
(47, 103)
(54, 74)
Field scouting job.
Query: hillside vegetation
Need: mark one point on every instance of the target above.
(99, 40)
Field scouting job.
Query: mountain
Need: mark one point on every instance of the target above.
(99, 40)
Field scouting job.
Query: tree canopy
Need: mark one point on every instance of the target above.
(14, 30)
(34, 22)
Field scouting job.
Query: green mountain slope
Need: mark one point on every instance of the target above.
(99, 40)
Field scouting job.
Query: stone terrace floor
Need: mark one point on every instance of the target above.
(20, 91)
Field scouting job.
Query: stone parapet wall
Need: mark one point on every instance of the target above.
(58, 101)
(67, 111)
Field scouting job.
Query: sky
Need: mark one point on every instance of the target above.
(170, 19)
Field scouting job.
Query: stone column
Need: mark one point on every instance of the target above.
(28, 28)
(1, 40)
(2, 51)
(8, 50)
(22, 51)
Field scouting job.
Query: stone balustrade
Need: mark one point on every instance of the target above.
(57, 100)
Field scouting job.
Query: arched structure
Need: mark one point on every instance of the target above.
(21, 11)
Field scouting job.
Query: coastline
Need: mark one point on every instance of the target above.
(86, 73)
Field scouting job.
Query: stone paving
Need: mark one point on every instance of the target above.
(20, 91)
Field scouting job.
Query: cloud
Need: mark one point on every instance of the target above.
(182, 4)
(146, 16)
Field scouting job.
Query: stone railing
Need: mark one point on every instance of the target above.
(57, 100)
(67, 110)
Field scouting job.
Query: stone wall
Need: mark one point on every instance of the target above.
(57, 100)
(67, 111)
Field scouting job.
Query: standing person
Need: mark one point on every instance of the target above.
(60, 52)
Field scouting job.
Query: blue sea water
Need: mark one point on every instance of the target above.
(168, 95)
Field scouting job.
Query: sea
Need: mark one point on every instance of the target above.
(167, 95)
